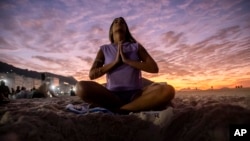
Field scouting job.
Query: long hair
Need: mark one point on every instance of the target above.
(128, 36)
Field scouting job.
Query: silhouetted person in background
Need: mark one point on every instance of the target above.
(13, 91)
(23, 93)
(4, 93)
(72, 92)
(18, 89)
(43, 89)
(33, 89)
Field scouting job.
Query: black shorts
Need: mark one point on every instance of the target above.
(127, 96)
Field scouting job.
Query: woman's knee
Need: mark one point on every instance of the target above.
(168, 91)
(82, 88)
(171, 91)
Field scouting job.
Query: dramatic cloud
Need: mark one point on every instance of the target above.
(4, 45)
(196, 43)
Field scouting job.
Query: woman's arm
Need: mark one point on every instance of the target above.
(98, 69)
(147, 63)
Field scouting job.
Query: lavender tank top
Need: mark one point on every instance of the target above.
(123, 77)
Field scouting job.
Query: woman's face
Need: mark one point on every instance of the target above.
(119, 25)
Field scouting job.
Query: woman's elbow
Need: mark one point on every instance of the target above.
(91, 76)
(155, 70)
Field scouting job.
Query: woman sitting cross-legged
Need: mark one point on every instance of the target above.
(122, 61)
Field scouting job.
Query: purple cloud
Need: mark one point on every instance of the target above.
(192, 41)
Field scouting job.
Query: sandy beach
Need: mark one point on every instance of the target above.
(198, 115)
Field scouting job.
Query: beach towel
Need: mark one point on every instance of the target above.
(160, 118)
(85, 109)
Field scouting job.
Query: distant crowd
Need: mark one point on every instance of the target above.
(238, 86)
(43, 91)
(20, 92)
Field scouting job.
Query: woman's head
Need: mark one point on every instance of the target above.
(120, 24)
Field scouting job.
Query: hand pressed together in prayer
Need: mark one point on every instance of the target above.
(120, 51)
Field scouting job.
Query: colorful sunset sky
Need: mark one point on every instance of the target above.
(196, 43)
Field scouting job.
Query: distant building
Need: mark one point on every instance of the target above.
(54, 81)
(14, 77)
(13, 80)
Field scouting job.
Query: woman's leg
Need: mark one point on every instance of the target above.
(153, 96)
(96, 94)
